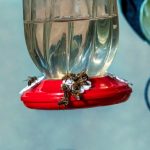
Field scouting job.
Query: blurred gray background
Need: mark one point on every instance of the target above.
(120, 127)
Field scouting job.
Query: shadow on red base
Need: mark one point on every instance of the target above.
(105, 91)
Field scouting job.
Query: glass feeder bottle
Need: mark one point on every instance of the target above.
(71, 36)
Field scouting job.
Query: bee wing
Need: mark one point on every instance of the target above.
(29, 77)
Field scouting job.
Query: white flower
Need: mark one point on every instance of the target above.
(82, 89)
(68, 82)
(87, 87)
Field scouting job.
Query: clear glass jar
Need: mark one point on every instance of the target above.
(64, 36)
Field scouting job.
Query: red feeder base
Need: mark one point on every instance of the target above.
(105, 91)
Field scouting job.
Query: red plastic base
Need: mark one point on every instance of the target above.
(105, 91)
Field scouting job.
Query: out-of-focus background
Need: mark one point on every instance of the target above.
(120, 127)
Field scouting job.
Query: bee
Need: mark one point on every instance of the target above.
(76, 94)
(79, 80)
(31, 80)
(67, 76)
(65, 88)
(83, 76)
(65, 99)
(70, 76)
(75, 91)
(74, 77)
(63, 102)
(76, 86)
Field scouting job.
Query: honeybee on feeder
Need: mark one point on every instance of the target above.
(83, 76)
(76, 86)
(31, 80)
(65, 88)
(68, 76)
(76, 94)
(76, 90)
(74, 77)
(64, 101)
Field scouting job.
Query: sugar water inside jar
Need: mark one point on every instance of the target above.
(60, 44)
